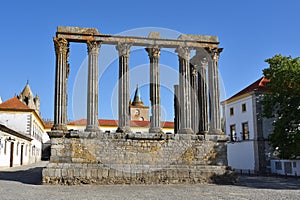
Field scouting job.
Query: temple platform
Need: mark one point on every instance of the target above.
(116, 158)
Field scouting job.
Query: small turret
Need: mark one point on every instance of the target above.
(137, 99)
(27, 97)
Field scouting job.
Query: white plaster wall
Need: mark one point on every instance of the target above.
(15, 121)
(5, 157)
(240, 117)
(113, 129)
(25, 123)
(295, 170)
(240, 155)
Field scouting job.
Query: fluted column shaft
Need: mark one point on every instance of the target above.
(176, 109)
(154, 54)
(184, 90)
(202, 96)
(214, 92)
(92, 95)
(123, 88)
(194, 101)
(61, 76)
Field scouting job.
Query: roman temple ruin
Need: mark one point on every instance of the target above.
(195, 153)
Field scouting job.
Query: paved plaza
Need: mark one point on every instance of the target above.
(25, 183)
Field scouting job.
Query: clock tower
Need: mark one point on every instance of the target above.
(138, 111)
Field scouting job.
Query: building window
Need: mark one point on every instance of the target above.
(245, 133)
(232, 132)
(244, 109)
(278, 165)
(231, 111)
(294, 165)
(288, 167)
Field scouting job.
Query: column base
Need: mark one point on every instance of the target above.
(56, 133)
(186, 131)
(125, 129)
(155, 130)
(215, 132)
(92, 128)
(59, 127)
(202, 132)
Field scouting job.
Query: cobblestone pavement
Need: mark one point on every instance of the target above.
(25, 183)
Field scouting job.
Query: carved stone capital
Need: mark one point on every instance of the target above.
(93, 47)
(61, 45)
(199, 62)
(214, 53)
(193, 70)
(183, 52)
(153, 52)
(123, 49)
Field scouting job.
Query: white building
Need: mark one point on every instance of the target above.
(248, 148)
(14, 148)
(286, 167)
(21, 114)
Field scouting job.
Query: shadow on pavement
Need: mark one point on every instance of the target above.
(262, 182)
(31, 176)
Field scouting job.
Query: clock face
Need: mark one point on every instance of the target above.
(137, 112)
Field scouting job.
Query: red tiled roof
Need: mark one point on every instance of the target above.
(14, 104)
(111, 122)
(259, 85)
(48, 125)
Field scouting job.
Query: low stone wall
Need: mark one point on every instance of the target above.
(110, 158)
(73, 174)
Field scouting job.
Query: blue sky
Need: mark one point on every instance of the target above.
(249, 32)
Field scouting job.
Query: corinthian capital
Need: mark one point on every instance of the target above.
(61, 45)
(193, 70)
(199, 61)
(123, 49)
(183, 52)
(153, 52)
(214, 53)
(93, 47)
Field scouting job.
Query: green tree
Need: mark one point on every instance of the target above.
(282, 101)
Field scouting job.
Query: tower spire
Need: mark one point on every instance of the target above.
(137, 99)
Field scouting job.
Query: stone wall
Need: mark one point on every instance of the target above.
(110, 158)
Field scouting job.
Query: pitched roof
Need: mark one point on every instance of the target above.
(259, 85)
(14, 104)
(137, 99)
(26, 91)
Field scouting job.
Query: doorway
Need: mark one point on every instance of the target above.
(21, 157)
(11, 163)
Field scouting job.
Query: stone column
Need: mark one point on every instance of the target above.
(194, 101)
(176, 109)
(61, 76)
(92, 90)
(214, 91)
(154, 54)
(124, 88)
(202, 96)
(184, 90)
